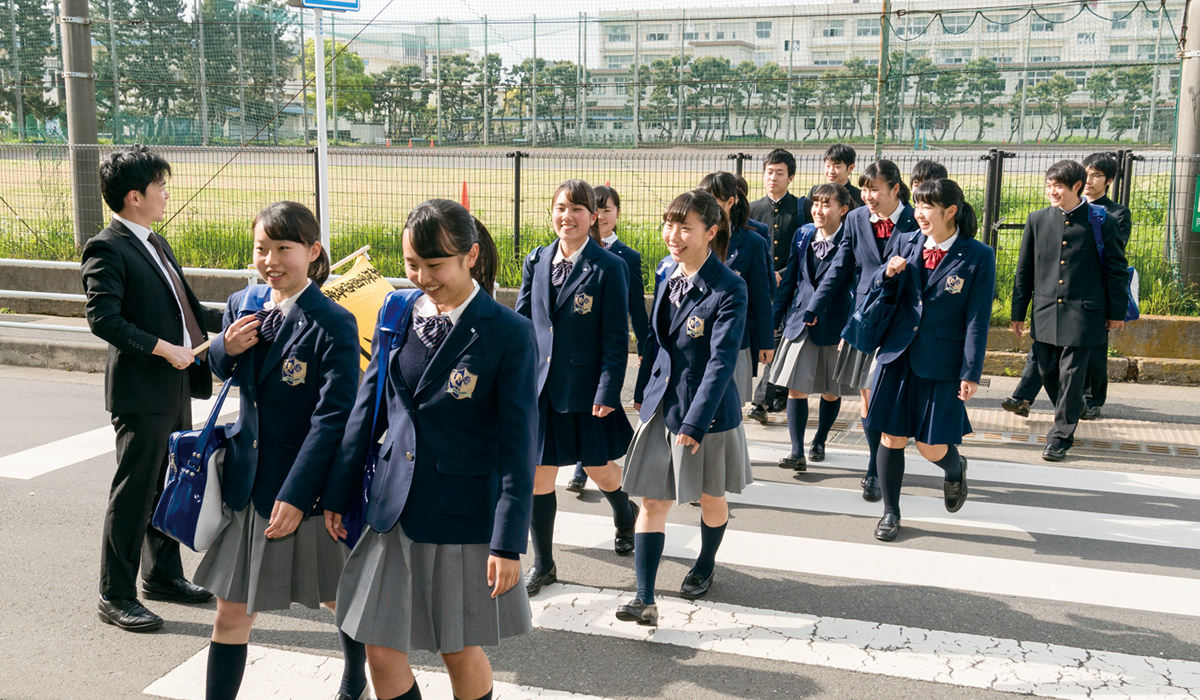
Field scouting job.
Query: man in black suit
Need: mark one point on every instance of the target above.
(138, 302)
(1072, 304)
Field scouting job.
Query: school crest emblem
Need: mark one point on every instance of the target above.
(294, 371)
(461, 383)
(954, 284)
(583, 303)
(695, 327)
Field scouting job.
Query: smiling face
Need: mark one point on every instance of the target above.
(776, 179)
(827, 214)
(687, 241)
(571, 221)
(447, 280)
(935, 220)
(283, 264)
(606, 219)
(837, 172)
(1061, 195)
(881, 199)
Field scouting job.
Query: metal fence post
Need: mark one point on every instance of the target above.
(516, 156)
(316, 182)
(1126, 190)
(738, 159)
(989, 204)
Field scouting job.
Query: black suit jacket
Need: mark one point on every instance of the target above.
(1120, 212)
(1059, 271)
(130, 305)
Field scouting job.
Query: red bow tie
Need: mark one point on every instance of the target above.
(883, 228)
(932, 256)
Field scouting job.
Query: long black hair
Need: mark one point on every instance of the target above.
(606, 195)
(292, 221)
(886, 170)
(579, 192)
(945, 194)
(724, 185)
(710, 212)
(441, 228)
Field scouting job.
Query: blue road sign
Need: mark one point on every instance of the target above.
(335, 5)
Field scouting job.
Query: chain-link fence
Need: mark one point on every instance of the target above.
(231, 72)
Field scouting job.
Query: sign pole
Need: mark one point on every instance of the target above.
(322, 131)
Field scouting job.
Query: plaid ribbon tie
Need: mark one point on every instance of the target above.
(561, 270)
(822, 246)
(678, 288)
(432, 330)
(270, 323)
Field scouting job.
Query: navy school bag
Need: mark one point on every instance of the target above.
(1096, 216)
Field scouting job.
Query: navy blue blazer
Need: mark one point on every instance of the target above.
(798, 287)
(761, 229)
(582, 331)
(857, 259)
(457, 464)
(293, 408)
(637, 292)
(748, 256)
(695, 349)
(942, 315)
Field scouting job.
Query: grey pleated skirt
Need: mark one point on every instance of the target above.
(408, 595)
(658, 468)
(743, 376)
(243, 566)
(854, 367)
(808, 368)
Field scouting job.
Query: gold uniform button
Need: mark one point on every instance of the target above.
(1060, 301)
(1060, 281)
(408, 456)
(914, 328)
(254, 444)
(1064, 242)
(1062, 262)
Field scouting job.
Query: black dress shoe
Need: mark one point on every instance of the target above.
(817, 453)
(637, 611)
(128, 614)
(1090, 413)
(176, 590)
(623, 544)
(779, 405)
(888, 527)
(576, 484)
(954, 493)
(1054, 453)
(534, 580)
(343, 695)
(758, 412)
(793, 462)
(694, 587)
(871, 490)
(1017, 406)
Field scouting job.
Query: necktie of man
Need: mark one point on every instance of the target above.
(883, 228)
(822, 246)
(932, 257)
(432, 330)
(270, 323)
(678, 288)
(560, 272)
(189, 317)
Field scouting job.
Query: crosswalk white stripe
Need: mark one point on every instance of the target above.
(277, 673)
(903, 565)
(58, 454)
(1009, 473)
(973, 661)
(1106, 527)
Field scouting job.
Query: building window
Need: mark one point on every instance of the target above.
(658, 36)
(833, 30)
(1153, 18)
(762, 30)
(1079, 77)
(1085, 38)
(824, 58)
(1118, 51)
(1044, 58)
(867, 27)
(1000, 26)
(618, 34)
(616, 62)
(1044, 23)
(956, 56)
(690, 36)
(956, 24)
(1119, 24)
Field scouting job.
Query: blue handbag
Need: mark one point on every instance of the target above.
(393, 323)
(870, 320)
(191, 509)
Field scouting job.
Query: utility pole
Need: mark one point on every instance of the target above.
(637, 80)
(881, 85)
(679, 78)
(203, 80)
(304, 78)
(16, 60)
(80, 78)
(1187, 147)
(534, 134)
(438, 74)
(241, 78)
(333, 72)
(487, 87)
(116, 78)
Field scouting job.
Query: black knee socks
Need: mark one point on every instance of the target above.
(797, 417)
(891, 477)
(873, 446)
(226, 665)
(413, 693)
(951, 464)
(827, 413)
(545, 506)
(647, 552)
(622, 510)
(710, 542)
(354, 668)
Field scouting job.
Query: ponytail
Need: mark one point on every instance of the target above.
(488, 260)
(724, 185)
(886, 170)
(292, 221)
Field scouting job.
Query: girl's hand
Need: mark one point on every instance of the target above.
(241, 335)
(502, 574)
(333, 525)
(765, 356)
(687, 441)
(601, 411)
(967, 389)
(637, 406)
(896, 265)
(285, 518)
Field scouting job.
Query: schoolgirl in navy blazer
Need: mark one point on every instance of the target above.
(799, 285)
(608, 210)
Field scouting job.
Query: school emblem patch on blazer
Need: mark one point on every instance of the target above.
(294, 371)
(954, 284)
(461, 383)
(583, 303)
(695, 327)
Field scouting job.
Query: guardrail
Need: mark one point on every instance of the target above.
(249, 275)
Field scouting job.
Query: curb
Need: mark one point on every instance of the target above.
(53, 354)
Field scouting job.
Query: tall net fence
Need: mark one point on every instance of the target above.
(213, 72)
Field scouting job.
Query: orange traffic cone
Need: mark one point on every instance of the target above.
(607, 183)
(431, 143)
(410, 143)
(466, 202)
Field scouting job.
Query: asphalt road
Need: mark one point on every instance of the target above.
(1052, 579)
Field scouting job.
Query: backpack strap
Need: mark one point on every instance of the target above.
(1096, 216)
(807, 231)
(393, 317)
(256, 296)
(660, 273)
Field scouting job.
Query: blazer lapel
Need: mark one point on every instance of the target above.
(462, 336)
(660, 297)
(698, 291)
(294, 325)
(579, 272)
(866, 234)
(953, 259)
(542, 289)
(823, 264)
(141, 249)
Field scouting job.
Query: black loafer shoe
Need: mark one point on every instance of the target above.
(871, 490)
(342, 695)
(128, 614)
(623, 544)
(1054, 453)
(793, 462)
(1017, 406)
(888, 528)
(954, 493)
(177, 590)
(1090, 413)
(637, 611)
(534, 580)
(758, 413)
(779, 405)
(817, 453)
(694, 587)
(576, 484)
